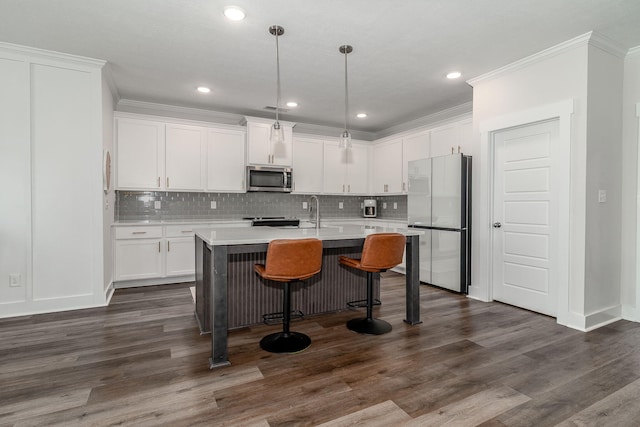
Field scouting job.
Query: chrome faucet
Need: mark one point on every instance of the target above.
(317, 210)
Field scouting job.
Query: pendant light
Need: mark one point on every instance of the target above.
(345, 137)
(277, 133)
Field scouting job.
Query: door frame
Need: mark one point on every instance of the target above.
(567, 270)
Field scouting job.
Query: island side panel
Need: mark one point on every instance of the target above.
(412, 278)
(202, 292)
(218, 300)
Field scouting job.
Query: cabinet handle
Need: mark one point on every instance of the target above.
(343, 188)
(404, 187)
(187, 231)
(158, 247)
(458, 149)
(349, 188)
(451, 150)
(139, 232)
(167, 182)
(158, 182)
(168, 246)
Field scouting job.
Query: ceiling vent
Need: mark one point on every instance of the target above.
(273, 108)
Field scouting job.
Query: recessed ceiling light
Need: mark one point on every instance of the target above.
(361, 115)
(454, 75)
(292, 104)
(234, 13)
(203, 89)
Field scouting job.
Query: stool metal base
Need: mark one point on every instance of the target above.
(280, 342)
(369, 326)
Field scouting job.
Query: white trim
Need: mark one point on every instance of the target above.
(172, 111)
(635, 311)
(608, 45)
(634, 51)
(558, 49)
(108, 293)
(171, 120)
(440, 118)
(563, 111)
(246, 119)
(32, 54)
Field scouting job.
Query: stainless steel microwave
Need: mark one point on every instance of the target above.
(269, 178)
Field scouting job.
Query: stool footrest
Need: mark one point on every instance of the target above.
(362, 303)
(276, 318)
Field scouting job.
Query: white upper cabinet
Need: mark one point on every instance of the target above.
(184, 165)
(345, 171)
(261, 151)
(414, 147)
(452, 139)
(307, 165)
(225, 160)
(386, 172)
(140, 154)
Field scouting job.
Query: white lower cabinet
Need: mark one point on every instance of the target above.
(138, 253)
(156, 254)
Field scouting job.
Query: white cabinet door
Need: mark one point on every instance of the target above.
(414, 147)
(140, 154)
(307, 165)
(334, 168)
(184, 157)
(261, 151)
(444, 141)
(387, 167)
(180, 256)
(466, 137)
(138, 259)
(225, 160)
(357, 177)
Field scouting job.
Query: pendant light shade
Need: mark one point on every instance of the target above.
(345, 137)
(277, 133)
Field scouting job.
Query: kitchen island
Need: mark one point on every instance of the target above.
(226, 283)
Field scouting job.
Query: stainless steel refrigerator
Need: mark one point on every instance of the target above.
(439, 202)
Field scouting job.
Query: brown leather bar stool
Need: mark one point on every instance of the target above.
(289, 260)
(380, 252)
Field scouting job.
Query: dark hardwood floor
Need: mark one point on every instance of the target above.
(141, 361)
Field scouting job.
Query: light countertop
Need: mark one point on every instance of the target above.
(252, 235)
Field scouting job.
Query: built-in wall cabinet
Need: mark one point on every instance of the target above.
(260, 149)
(308, 155)
(346, 170)
(155, 155)
(390, 156)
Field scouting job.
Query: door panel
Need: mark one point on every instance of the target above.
(523, 212)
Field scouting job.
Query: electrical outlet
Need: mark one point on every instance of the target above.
(214, 204)
(305, 205)
(157, 204)
(395, 205)
(602, 196)
(15, 280)
(340, 205)
(384, 205)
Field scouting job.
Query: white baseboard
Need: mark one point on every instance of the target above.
(595, 320)
(154, 281)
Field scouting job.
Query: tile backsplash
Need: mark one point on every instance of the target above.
(161, 205)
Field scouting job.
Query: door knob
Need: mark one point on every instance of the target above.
(497, 225)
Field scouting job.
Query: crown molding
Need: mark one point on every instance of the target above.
(430, 121)
(29, 53)
(330, 131)
(634, 51)
(582, 40)
(113, 88)
(172, 111)
(608, 45)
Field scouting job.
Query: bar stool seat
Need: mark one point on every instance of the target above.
(380, 252)
(289, 260)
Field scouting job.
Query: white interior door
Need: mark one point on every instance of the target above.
(524, 215)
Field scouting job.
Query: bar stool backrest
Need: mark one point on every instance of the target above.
(293, 259)
(382, 251)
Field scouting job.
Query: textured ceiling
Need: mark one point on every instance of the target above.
(160, 50)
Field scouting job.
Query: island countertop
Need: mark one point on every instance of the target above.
(255, 235)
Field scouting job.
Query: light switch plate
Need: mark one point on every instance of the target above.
(15, 280)
(602, 196)
(305, 205)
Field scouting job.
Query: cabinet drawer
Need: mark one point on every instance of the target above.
(140, 232)
(180, 230)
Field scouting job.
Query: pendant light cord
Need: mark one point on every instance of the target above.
(346, 92)
(278, 76)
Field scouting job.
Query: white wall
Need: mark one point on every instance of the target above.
(630, 187)
(579, 71)
(55, 225)
(108, 202)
